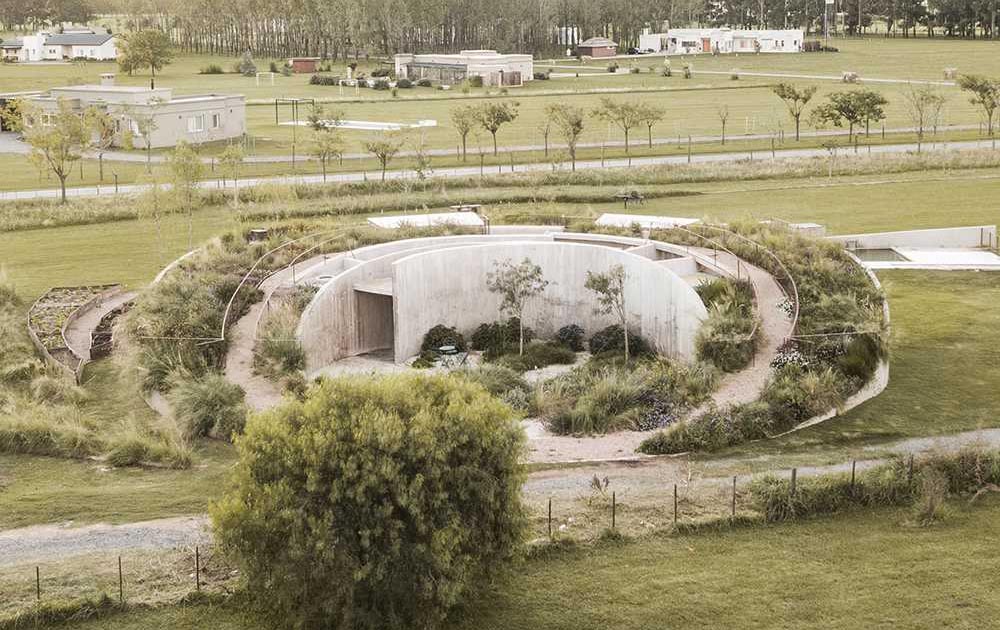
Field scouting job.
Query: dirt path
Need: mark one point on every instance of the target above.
(261, 393)
(78, 332)
(645, 482)
(739, 387)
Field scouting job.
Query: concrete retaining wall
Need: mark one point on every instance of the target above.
(449, 287)
(973, 236)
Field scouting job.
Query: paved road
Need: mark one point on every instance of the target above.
(472, 171)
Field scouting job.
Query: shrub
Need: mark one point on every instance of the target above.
(212, 68)
(442, 335)
(613, 67)
(541, 76)
(381, 72)
(403, 492)
(500, 381)
(208, 405)
(612, 340)
(278, 353)
(324, 79)
(717, 428)
(724, 339)
(273, 67)
(380, 84)
(424, 83)
(538, 354)
(497, 338)
(571, 336)
(634, 70)
(591, 401)
(476, 81)
(404, 84)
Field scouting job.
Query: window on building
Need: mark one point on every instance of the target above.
(196, 124)
(216, 121)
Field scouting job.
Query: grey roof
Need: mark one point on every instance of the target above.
(14, 43)
(597, 42)
(78, 39)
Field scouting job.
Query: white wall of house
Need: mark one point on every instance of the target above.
(698, 41)
(488, 64)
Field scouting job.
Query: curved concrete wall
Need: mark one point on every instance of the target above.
(449, 287)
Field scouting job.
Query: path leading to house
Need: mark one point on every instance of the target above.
(739, 387)
(634, 482)
(79, 331)
(475, 171)
(261, 393)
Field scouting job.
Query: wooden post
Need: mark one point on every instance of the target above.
(675, 505)
(197, 570)
(550, 519)
(854, 467)
(734, 498)
(689, 149)
(909, 470)
(38, 583)
(795, 474)
(121, 582)
(614, 509)
(772, 149)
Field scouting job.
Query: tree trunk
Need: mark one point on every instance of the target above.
(100, 167)
(723, 133)
(463, 146)
(797, 120)
(62, 188)
(625, 330)
(520, 332)
(649, 132)
(494, 142)
(626, 141)
(324, 170)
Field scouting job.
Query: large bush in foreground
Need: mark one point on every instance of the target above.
(374, 503)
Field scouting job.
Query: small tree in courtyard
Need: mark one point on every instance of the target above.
(57, 139)
(493, 115)
(610, 289)
(374, 503)
(516, 284)
(985, 93)
(626, 115)
(569, 121)
(795, 100)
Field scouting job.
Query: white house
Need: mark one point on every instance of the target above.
(495, 68)
(692, 41)
(72, 43)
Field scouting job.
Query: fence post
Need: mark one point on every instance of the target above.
(38, 584)
(854, 466)
(614, 509)
(675, 505)
(550, 518)
(121, 582)
(909, 470)
(734, 498)
(772, 148)
(197, 570)
(795, 474)
(689, 149)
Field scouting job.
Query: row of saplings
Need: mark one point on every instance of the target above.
(606, 392)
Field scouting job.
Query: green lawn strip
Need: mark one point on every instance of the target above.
(866, 569)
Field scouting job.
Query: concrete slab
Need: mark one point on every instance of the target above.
(469, 219)
(643, 220)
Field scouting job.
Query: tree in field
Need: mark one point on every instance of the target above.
(722, 111)
(544, 129)
(795, 100)
(327, 146)
(854, 107)
(231, 161)
(57, 139)
(610, 289)
(923, 104)
(144, 49)
(626, 115)
(186, 169)
(516, 284)
(320, 118)
(568, 121)
(384, 148)
(464, 118)
(985, 93)
(104, 134)
(374, 503)
(650, 115)
(246, 66)
(493, 115)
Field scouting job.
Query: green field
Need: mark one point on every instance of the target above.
(864, 570)
(691, 105)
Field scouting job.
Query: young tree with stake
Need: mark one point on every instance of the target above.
(722, 111)
(384, 148)
(57, 140)
(923, 104)
(492, 116)
(568, 121)
(795, 100)
(649, 115)
(516, 284)
(464, 118)
(610, 289)
(625, 114)
(104, 135)
(231, 160)
(327, 146)
(186, 169)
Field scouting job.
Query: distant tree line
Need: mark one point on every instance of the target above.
(338, 28)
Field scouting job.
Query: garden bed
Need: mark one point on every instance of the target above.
(51, 313)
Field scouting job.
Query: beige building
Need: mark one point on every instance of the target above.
(495, 68)
(191, 118)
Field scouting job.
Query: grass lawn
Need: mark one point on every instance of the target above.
(862, 570)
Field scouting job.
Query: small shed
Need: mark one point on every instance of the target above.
(597, 47)
(304, 65)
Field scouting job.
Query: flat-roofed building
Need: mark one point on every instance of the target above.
(495, 68)
(692, 41)
(190, 118)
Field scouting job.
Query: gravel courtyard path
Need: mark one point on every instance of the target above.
(78, 332)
